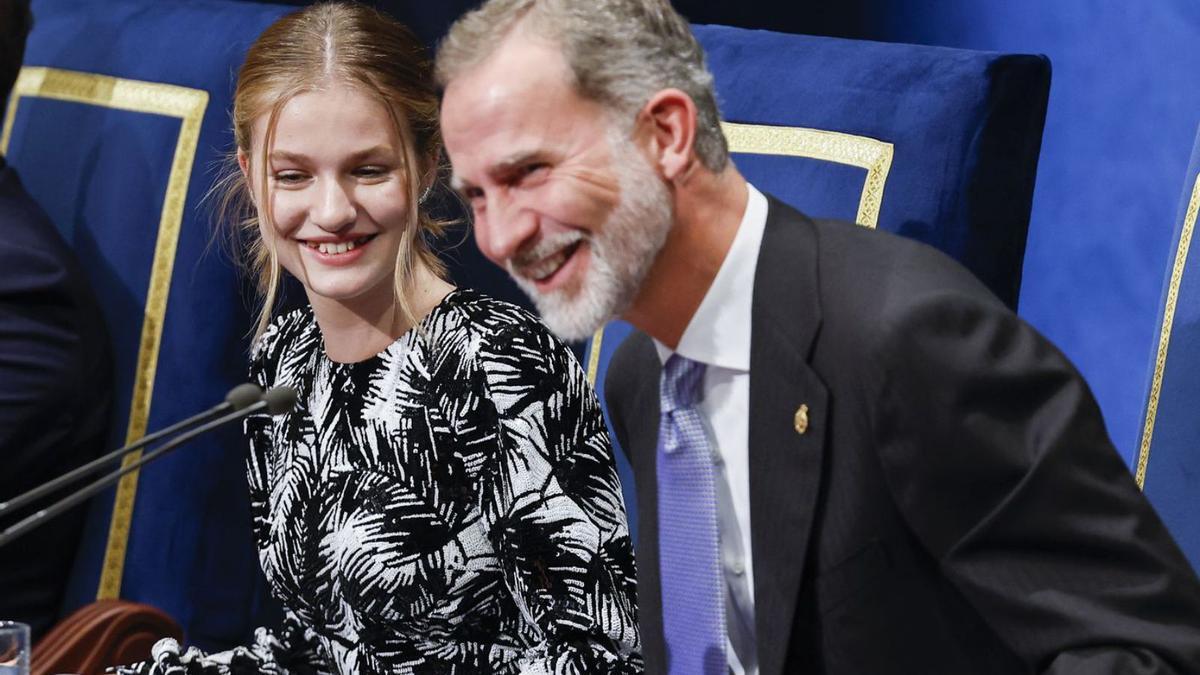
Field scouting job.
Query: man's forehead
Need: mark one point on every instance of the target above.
(521, 69)
(517, 102)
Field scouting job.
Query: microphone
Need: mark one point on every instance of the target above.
(277, 401)
(238, 398)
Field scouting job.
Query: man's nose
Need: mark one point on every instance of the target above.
(503, 230)
(335, 207)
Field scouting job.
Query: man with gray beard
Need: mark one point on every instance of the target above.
(850, 457)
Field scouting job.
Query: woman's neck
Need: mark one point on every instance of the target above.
(359, 329)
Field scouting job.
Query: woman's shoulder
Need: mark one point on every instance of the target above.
(286, 334)
(505, 339)
(492, 320)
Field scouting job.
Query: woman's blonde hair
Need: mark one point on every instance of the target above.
(304, 51)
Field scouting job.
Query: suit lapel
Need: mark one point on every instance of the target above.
(786, 441)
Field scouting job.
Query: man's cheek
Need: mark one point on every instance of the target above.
(584, 204)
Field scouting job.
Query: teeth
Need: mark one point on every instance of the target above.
(335, 248)
(549, 265)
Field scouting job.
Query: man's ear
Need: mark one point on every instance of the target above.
(670, 119)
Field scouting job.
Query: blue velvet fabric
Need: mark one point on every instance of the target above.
(101, 174)
(1172, 458)
(966, 128)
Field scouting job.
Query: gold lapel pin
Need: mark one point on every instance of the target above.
(801, 419)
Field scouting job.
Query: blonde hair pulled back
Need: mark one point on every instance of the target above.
(351, 44)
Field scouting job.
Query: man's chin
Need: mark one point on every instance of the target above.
(575, 319)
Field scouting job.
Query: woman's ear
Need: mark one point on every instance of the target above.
(429, 176)
(670, 117)
(243, 161)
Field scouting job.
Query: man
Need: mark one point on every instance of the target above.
(851, 458)
(55, 373)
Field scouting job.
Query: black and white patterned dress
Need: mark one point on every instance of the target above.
(447, 506)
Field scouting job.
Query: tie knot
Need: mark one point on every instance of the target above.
(681, 381)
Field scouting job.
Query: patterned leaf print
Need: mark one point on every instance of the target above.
(447, 506)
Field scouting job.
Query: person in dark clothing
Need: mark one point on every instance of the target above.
(55, 372)
(850, 457)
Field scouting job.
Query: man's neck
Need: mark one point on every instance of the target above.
(708, 211)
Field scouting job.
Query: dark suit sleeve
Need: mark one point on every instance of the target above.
(39, 368)
(998, 457)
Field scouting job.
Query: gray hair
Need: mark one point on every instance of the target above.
(620, 53)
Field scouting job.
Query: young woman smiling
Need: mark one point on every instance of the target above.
(443, 497)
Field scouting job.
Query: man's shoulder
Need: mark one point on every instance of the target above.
(32, 251)
(876, 270)
(27, 227)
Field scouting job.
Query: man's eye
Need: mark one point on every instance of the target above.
(534, 169)
(472, 194)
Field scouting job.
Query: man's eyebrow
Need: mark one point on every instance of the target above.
(514, 161)
(500, 169)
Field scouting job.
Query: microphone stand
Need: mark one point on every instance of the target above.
(237, 399)
(276, 401)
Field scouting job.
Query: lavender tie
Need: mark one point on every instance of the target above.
(688, 538)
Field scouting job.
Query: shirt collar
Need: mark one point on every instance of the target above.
(719, 332)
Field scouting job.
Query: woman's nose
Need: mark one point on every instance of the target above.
(334, 208)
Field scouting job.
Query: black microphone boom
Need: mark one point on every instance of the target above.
(276, 401)
(238, 398)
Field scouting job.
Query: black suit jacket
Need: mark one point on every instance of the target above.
(954, 505)
(55, 394)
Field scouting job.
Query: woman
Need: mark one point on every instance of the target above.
(443, 498)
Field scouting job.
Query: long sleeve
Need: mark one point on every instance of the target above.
(291, 649)
(560, 522)
(998, 457)
(55, 395)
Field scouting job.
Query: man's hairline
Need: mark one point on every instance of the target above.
(607, 109)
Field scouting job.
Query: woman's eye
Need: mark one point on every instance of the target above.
(289, 177)
(370, 171)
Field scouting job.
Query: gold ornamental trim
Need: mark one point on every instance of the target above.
(831, 146)
(188, 105)
(1164, 337)
(593, 366)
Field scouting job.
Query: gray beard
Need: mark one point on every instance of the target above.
(622, 251)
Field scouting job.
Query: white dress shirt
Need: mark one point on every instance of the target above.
(718, 336)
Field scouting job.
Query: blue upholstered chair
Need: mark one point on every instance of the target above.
(936, 144)
(115, 126)
(1168, 459)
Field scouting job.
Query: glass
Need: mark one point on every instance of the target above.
(14, 648)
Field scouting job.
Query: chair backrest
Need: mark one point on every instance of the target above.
(103, 634)
(116, 126)
(1170, 423)
(936, 144)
